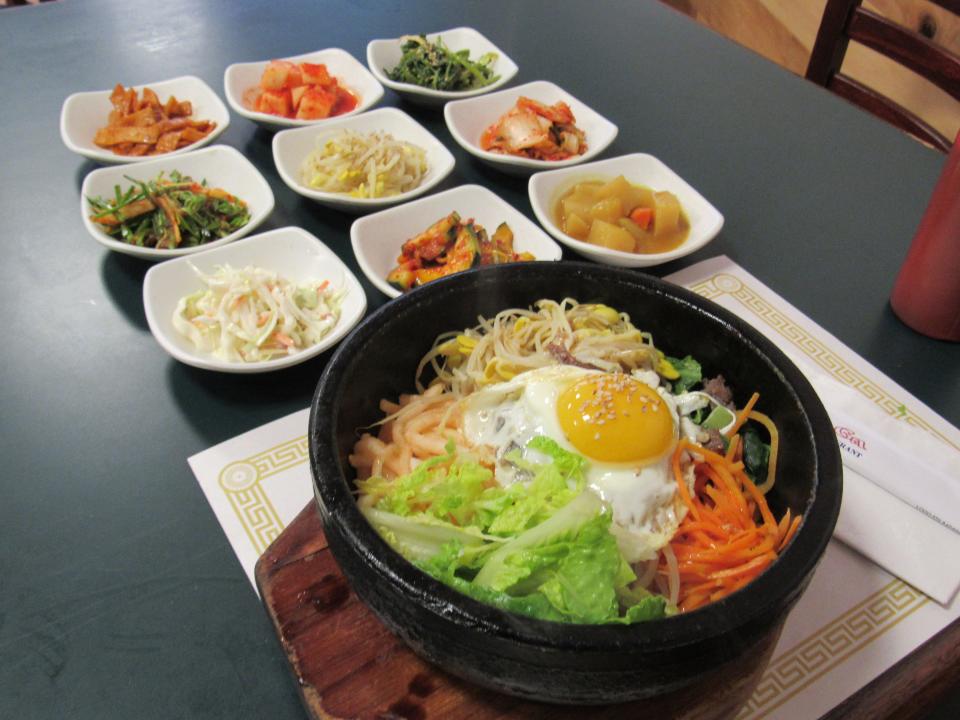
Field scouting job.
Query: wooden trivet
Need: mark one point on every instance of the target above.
(348, 665)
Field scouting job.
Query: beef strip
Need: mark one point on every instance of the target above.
(718, 388)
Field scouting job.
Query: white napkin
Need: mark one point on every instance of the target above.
(901, 492)
(916, 549)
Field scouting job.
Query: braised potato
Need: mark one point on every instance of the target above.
(622, 216)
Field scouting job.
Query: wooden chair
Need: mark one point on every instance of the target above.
(846, 20)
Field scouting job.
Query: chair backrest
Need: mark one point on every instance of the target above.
(846, 20)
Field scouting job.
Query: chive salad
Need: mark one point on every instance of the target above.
(169, 212)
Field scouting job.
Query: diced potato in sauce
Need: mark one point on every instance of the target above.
(599, 213)
(610, 236)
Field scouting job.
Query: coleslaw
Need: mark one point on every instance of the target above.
(251, 314)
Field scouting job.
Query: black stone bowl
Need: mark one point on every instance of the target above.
(555, 662)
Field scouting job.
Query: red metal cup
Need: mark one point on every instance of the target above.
(926, 295)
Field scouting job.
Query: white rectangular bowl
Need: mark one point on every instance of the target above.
(291, 252)
(349, 72)
(385, 53)
(84, 113)
(377, 238)
(547, 188)
(221, 166)
(291, 148)
(467, 119)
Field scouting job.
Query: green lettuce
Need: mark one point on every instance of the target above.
(541, 548)
(553, 486)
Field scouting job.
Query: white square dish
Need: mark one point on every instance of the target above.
(220, 166)
(384, 54)
(546, 188)
(240, 78)
(291, 148)
(467, 119)
(291, 252)
(84, 113)
(377, 238)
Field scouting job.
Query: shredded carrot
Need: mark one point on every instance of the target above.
(729, 536)
(783, 525)
(684, 492)
(734, 446)
(790, 532)
(283, 339)
(742, 415)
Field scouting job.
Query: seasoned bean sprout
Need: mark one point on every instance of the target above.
(370, 165)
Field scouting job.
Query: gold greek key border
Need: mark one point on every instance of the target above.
(830, 646)
(240, 482)
(824, 357)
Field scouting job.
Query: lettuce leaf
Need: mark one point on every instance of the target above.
(541, 548)
(420, 537)
(443, 567)
(552, 487)
(444, 487)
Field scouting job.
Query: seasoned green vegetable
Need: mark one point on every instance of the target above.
(434, 65)
(167, 213)
(756, 455)
(688, 371)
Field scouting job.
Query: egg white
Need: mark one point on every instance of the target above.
(642, 495)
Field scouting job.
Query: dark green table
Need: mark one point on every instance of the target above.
(119, 595)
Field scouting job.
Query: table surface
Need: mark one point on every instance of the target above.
(120, 594)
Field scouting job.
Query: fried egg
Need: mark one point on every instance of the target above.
(627, 430)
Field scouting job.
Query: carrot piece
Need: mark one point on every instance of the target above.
(790, 533)
(729, 536)
(283, 338)
(754, 566)
(681, 483)
(642, 216)
(742, 415)
(732, 449)
(761, 504)
(783, 526)
(702, 526)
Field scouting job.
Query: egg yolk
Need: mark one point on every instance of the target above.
(614, 418)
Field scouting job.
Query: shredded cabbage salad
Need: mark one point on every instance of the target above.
(370, 165)
(252, 314)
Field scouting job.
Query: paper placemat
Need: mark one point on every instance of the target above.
(855, 618)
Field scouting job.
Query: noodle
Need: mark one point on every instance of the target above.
(516, 340)
(774, 449)
(418, 429)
